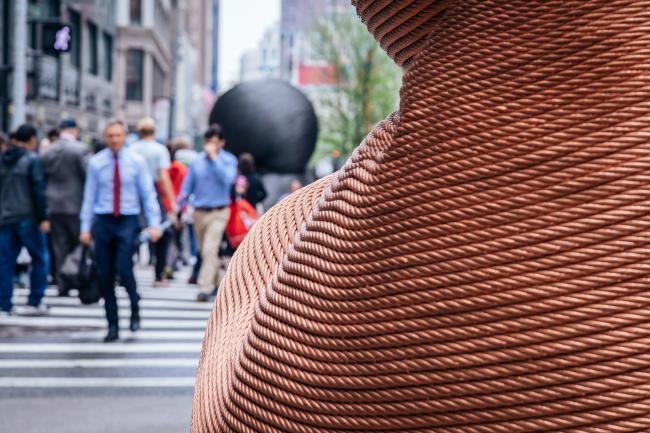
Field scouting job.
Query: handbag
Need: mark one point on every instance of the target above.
(87, 281)
(242, 218)
(78, 271)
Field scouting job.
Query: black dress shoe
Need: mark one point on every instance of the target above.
(113, 334)
(135, 322)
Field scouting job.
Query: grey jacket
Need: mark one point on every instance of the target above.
(64, 163)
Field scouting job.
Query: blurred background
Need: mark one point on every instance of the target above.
(296, 85)
(172, 59)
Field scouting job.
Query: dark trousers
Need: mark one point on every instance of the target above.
(64, 235)
(160, 250)
(114, 247)
(12, 238)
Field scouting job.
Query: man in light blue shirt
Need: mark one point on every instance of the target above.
(207, 184)
(117, 181)
(158, 160)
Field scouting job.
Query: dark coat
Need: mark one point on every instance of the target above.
(256, 192)
(22, 187)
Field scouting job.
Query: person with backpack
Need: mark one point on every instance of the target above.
(23, 220)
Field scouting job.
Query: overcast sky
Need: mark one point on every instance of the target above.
(243, 23)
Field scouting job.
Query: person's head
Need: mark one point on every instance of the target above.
(53, 135)
(115, 134)
(241, 185)
(214, 137)
(26, 136)
(146, 128)
(176, 145)
(246, 163)
(68, 127)
(294, 186)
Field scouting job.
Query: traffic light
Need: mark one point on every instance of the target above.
(56, 38)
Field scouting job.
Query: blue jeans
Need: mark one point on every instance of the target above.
(12, 238)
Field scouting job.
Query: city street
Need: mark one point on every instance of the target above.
(57, 376)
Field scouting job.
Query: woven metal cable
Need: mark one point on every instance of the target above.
(482, 263)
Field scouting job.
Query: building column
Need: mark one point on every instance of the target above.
(147, 84)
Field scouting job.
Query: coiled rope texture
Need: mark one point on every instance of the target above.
(482, 262)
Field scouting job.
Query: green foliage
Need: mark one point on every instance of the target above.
(367, 83)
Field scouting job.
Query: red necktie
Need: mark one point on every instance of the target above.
(116, 188)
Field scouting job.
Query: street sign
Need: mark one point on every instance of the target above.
(57, 38)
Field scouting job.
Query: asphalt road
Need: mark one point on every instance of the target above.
(56, 375)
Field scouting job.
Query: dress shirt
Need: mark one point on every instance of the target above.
(208, 181)
(136, 186)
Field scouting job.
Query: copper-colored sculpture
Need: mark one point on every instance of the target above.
(482, 263)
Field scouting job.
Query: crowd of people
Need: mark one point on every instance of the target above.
(59, 196)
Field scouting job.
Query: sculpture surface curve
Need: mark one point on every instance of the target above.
(481, 264)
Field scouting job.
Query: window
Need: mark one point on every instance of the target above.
(92, 49)
(37, 9)
(108, 57)
(134, 74)
(75, 41)
(158, 81)
(135, 12)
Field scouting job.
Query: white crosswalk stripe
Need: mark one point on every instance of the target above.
(63, 350)
(92, 382)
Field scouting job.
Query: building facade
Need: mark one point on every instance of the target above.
(196, 60)
(78, 83)
(144, 61)
(263, 61)
(298, 19)
(165, 63)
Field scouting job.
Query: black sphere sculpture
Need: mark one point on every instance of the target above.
(270, 119)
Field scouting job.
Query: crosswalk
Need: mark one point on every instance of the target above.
(63, 351)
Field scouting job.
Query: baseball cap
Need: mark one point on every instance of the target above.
(67, 123)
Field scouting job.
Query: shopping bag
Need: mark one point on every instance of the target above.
(242, 218)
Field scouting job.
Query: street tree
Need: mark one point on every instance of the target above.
(365, 83)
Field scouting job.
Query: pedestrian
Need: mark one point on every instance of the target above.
(64, 163)
(294, 186)
(23, 220)
(177, 172)
(208, 182)
(117, 181)
(51, 138)
(255, 192)
(158, 162)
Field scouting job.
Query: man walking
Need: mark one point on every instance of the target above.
(208, 181)
(117, 181)
(64, 163)
(23, 220)
(158, 161)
